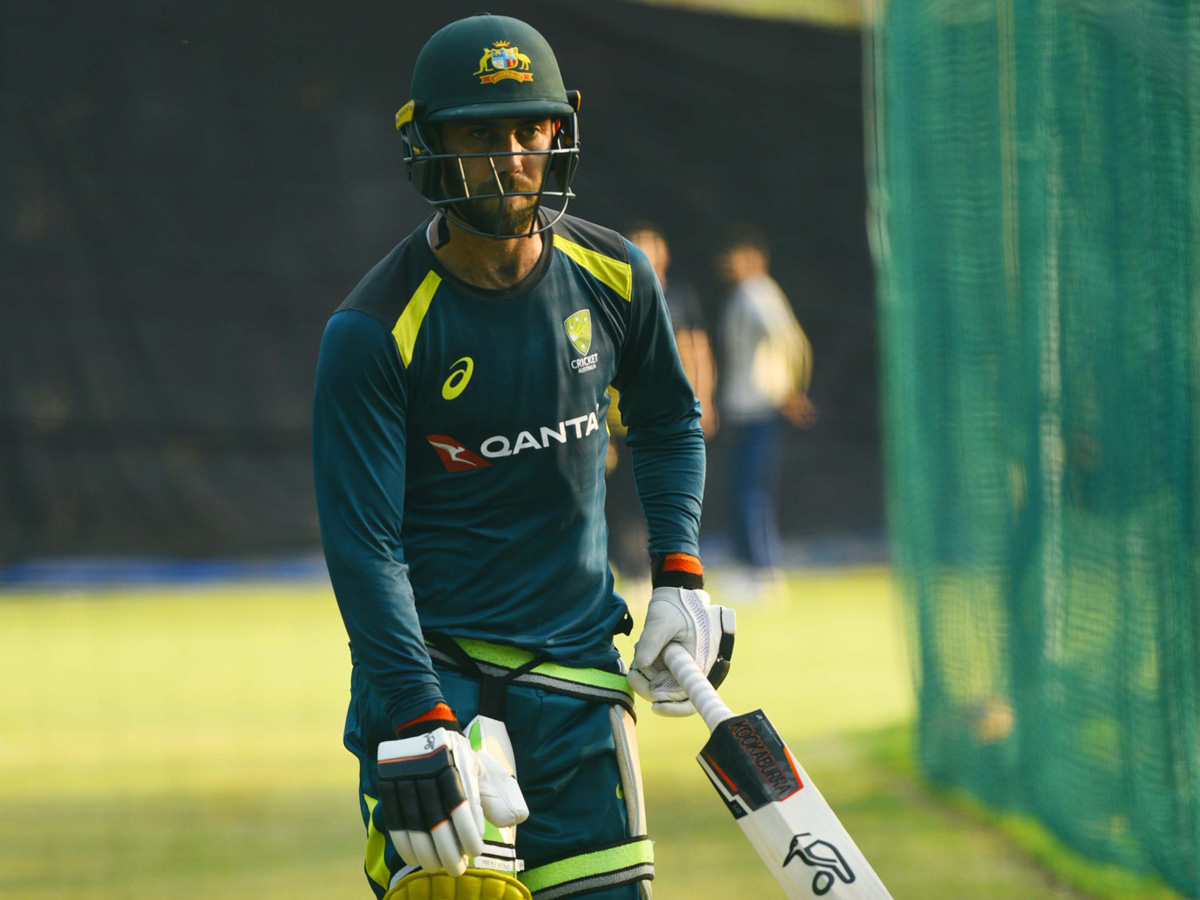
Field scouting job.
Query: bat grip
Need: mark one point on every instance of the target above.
(695, 684)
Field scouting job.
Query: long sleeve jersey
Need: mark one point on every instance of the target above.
(459, 442)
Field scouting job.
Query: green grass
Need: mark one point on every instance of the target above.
(186, 744)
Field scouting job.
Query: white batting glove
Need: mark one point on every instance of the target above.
(436, 792)
(689, 618)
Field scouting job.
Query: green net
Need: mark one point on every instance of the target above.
(1036, 194)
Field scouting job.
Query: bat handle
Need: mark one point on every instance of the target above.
(702, 694)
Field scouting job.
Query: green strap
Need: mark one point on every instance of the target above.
(608, 687)
(631, 860)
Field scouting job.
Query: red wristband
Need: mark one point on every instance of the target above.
(434, 718)
(682, 562)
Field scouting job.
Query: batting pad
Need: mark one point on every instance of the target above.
(474, 884)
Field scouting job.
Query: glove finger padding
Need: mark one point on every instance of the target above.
(450, 853)
(429, 787)
(404, 847)
(423, 849)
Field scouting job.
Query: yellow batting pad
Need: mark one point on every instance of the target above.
(474, 884)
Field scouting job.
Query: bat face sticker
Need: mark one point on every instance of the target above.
(824, 857)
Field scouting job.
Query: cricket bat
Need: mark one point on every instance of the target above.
(772, 798)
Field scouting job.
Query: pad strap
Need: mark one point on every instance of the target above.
(605, 867)
(515, 666)
(493, 697)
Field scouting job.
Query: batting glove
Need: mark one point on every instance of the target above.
(436, 792)
(687, 617)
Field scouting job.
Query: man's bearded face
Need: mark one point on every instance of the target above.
(497, 215)
(514, 165)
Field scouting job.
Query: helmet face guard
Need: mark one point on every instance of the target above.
(431, 171)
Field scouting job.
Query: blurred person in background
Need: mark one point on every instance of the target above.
(459, 451)
(687, 320)
(627, 527)
(766, 368)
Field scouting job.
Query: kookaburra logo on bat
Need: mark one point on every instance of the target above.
(824, 857)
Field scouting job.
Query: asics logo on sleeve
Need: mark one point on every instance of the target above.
(457, 382)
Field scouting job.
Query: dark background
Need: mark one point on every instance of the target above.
(189, 192)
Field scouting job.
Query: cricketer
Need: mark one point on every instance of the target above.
(459, 446)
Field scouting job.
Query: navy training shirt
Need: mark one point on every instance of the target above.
(459, 441)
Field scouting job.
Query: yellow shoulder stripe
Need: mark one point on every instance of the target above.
(608, 271)
(409, 323)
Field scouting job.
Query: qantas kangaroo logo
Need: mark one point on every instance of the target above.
(455, 457)
(823, 856)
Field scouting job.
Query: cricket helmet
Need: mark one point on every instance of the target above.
(477, 69)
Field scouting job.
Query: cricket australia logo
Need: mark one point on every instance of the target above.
(502, 60)
(579, 331)
(824, 857)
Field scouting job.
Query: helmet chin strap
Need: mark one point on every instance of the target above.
(443, 232)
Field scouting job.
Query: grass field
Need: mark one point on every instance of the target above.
(178, 743)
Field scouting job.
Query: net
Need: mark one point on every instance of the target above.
(1036, 195)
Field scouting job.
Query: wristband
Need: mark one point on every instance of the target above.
(441, 716)
(681, 570)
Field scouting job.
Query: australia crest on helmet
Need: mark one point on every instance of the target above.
(503, 60)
